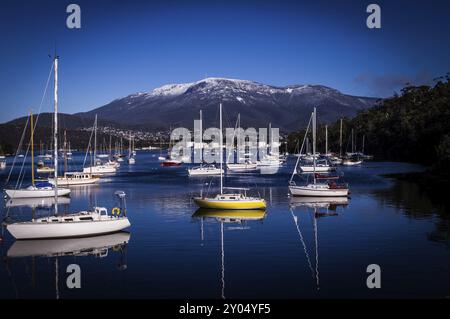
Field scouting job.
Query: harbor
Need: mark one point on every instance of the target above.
(173, 250)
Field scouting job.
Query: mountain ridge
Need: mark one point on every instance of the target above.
(287, 107)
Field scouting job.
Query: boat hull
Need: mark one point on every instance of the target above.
(30, 230)
(242, 167)
(100, 170)
(204, 172)
(170, 164)
(45, 170)
(26, 193)
(351, 163)
(310, 169)
(230, 205)
(75, 181)
(317, 192)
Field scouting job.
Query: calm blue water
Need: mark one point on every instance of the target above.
(286, 253)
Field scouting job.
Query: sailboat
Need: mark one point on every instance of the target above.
(353, 158)
(82, 224)
(131, 152)
(168, 160)
(37, 189)
(204, 170)
(2, 163)
(247, 165)
(233, 200)
(312, 163)
(269, 159)
(73, 178)
(98, 168)
(316, 188)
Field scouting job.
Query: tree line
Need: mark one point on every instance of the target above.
(413, 126)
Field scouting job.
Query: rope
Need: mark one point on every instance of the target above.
(33, 128)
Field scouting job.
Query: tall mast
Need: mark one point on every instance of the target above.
(220, 152)
(340, 141)
(326, 139)
(129, 147)
(201, 137)
(363, 144)
(238, 153)
(314, 145)
(95, 139)
(270, 140)
(32, 149)
(65, 152)
(55, 135)
(353, 139)
(110, 145)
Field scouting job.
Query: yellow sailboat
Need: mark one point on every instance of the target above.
(233, 201)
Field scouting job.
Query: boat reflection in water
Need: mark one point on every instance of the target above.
(230, 217)
(97, 246)
(86, 246)
(47, 202)
(315, 207)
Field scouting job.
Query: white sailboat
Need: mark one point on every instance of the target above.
(247, 165)
(229, 201)
(131, 152)
(352, 158)
(320, 189)
(311, 163)
(73, 178)
(85, 223)
(204, 170)
(269, 159)
(37, 189)
(98, 168)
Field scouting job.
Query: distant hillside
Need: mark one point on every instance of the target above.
(412, 127)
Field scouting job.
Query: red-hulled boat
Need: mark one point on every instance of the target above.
(168, 162)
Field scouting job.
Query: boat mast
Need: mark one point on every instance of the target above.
(238, 153)
(301, 149)
(353, 139)
(201, 138)
(314, 144)
(269, 149)
(364, 137)
(65, 152)
(32, 149)
(129, 147)
(55, 134)
(326, 140)
(340, 141)
(95, 139)
(110, 145)
(220, 152)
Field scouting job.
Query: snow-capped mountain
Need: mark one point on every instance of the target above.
(179, 104)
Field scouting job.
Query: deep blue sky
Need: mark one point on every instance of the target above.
(133, 46)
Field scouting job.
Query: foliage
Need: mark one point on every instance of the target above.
(413, 127)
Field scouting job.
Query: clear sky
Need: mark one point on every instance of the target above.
(132, 46)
